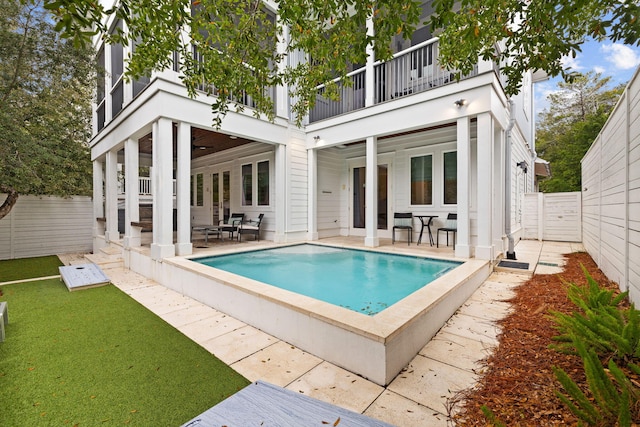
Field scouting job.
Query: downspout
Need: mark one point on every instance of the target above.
(511, 254)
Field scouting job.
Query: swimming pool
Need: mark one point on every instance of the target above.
(363, 281)
(376, 347)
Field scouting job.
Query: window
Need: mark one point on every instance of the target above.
(247, 185)
(256, 183)
(263, 183)
(451, 178)
(422, 180)
(192, 192)
(199, 190)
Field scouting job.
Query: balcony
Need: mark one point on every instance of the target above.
(411, 71)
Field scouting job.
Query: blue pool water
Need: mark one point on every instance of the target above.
(363, 281)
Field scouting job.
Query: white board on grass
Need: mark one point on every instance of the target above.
(82, 276)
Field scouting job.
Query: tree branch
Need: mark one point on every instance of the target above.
(9, 202)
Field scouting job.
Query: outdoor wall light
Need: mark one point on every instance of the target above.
(460, 102)
(522, 165)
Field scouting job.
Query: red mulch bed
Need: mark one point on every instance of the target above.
(518, 384)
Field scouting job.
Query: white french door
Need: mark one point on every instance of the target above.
(220, 181)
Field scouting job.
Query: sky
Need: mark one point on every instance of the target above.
(615, 60)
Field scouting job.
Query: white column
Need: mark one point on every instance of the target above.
(280, 168)
(111, 197)
(499, 238)
(371, 194)
(485, 188)
(98, 201)
(162, 189)
(463, 236)
(369, 68)
(282, 97)
(312, 208)
(183, 194)
(132, 197)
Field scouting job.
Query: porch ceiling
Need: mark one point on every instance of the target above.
(203, 142)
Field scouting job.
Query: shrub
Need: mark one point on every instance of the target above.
(601, 330)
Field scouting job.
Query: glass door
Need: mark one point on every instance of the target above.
(220, 196)
(358, 185)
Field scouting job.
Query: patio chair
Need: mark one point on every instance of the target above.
(250, 227)
(451, 226)
(402, 221)
(232, 224)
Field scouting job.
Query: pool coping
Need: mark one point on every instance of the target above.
(376, 347)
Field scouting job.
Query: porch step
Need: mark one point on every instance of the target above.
(106, 258)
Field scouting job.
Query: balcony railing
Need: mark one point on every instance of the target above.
(411, 71)
(352, 97)
(242, 98)
(144, 186)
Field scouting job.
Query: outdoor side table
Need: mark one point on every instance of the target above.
(426, 221)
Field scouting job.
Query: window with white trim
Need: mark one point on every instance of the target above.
(422, 180)
(450, 176)
(256, 183)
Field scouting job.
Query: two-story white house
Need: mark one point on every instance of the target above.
(421, 141)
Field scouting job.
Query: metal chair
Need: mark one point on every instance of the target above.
(402, 221)
(451, 226)
(232, 224)
(250, 227)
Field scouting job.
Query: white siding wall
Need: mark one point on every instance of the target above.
(611, 194)
(39, 226)
(297, 184)
(331, 194)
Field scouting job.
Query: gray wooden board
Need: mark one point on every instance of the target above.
(266, 405)
(82, 276)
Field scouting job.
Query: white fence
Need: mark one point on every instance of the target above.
(552, 216)
(611, 194)
(38, 226)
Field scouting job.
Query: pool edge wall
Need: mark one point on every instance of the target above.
(378, 350)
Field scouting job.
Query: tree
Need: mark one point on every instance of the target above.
(45, 113)
(566, 131)
(237, 39)
(529, 35)
(237, 42)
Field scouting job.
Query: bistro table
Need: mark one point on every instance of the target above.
(426, 221)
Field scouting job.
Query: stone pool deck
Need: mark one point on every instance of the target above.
(418, 396)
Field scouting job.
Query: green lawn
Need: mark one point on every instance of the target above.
(97, 357)
(29, 268)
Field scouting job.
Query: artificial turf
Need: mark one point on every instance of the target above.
(29, 268)
(97, 357)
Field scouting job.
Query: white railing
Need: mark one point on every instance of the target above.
(144, 186)
(409, 72)
(242, 98)
(352, 97)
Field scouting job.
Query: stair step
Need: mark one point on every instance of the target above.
(105, 261)
(111, 250)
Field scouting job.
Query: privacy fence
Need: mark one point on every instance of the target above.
(611, 194)
(39, 226)
(552, 216)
